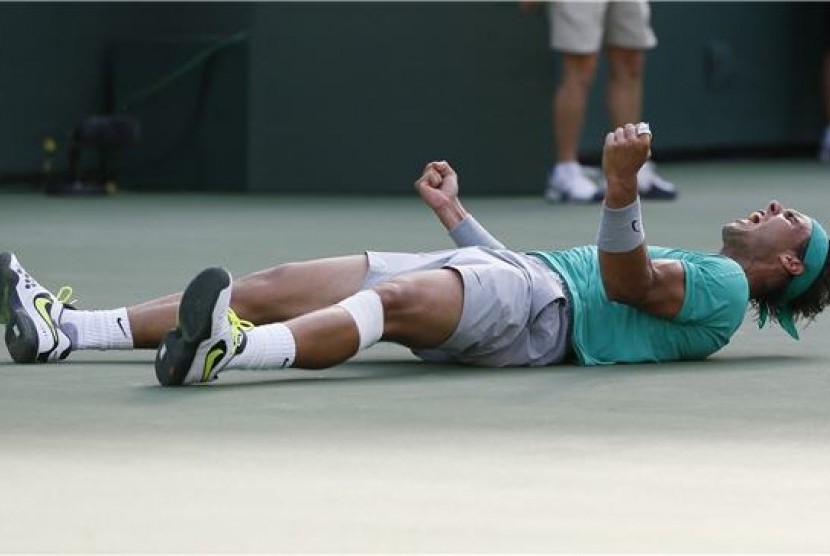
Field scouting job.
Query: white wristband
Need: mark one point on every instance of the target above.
(621, 229)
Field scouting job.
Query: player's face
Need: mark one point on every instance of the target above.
(771, 230)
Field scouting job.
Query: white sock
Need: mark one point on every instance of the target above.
(271, 346)
(97, 329)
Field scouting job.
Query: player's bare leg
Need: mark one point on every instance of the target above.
(272, 295)
(418, 310)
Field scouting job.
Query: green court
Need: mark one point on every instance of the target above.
(387, 454)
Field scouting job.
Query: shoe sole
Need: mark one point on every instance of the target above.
(178, 348)
(21, 331)
(22, 339)
(8, 281)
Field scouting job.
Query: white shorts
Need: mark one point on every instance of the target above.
(583, 27)
(515, 309)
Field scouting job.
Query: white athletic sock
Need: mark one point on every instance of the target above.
(271, 346)
(97, 329)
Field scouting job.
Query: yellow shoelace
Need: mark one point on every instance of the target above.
(237, 326)
(65, 295)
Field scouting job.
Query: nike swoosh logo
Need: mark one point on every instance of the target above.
(43, 305)
(216, 353)
(118, 322)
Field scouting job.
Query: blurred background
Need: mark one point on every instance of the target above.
(356, 97)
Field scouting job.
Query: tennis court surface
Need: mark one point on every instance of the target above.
(387, 454)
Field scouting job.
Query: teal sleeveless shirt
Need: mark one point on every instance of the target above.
(606, 332)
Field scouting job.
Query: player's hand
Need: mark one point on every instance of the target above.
(438, 185)
(626, 150)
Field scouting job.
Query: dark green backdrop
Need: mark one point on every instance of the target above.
(332, 97)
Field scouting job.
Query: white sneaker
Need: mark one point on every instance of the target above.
(208, 336)
(31, 315)
(567, 182)
(824, 149)
(652, 186)
(593, 173)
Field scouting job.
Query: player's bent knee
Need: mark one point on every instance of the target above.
(396, 296)
(421, 311)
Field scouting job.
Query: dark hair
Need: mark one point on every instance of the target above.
(807, 305)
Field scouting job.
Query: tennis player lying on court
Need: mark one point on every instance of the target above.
(480, 304)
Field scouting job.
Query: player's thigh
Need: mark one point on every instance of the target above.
(422, 309)
(292, 289)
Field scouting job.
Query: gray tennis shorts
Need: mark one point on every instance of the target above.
(515, 308)
(583, 27)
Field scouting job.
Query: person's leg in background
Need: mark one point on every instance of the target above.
(576, 33)
(624, 88)
(824, 149)
(823, 14)
(628, 34)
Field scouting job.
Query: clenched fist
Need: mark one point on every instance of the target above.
(626, 150)
(438, 185)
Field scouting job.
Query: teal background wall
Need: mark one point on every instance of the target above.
(356, 97)
(360, 96)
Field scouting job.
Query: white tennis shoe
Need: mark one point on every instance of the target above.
(824, 148)
(569, 182)
(31, 314)
(209, 334)
(652, 185)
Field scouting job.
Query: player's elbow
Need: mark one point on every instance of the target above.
(630, 293)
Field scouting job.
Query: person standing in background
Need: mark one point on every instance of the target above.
(579, 30)
(824, 148)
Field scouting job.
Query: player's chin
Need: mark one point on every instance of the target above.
(739, 224)
(732, 229)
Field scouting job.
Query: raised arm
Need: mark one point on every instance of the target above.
(438, 187)
(628, 273)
